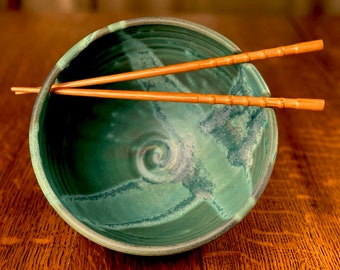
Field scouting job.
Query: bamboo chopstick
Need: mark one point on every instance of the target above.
(69, 88)
(294, 103)
(298, 48)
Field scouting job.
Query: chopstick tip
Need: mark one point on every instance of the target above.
(24, 90)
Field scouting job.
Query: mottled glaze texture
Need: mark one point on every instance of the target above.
(152, 178)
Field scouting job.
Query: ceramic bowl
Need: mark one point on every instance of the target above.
(152, 178)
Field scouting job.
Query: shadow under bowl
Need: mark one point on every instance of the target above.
(152, 178)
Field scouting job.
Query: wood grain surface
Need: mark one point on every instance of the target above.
(295, 224)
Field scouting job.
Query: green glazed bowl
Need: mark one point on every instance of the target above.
(152, 178)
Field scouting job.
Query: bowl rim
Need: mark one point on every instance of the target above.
(78, 225)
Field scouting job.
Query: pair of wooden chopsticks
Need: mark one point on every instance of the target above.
(72, 88)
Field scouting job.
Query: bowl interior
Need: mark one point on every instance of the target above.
(156, 173)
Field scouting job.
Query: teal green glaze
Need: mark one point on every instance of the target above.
(82, 44)
(152, 178)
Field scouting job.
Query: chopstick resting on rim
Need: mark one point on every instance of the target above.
(297, 48)
(71, 88)
(293, 103)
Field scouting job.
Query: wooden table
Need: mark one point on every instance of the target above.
(295, 224)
